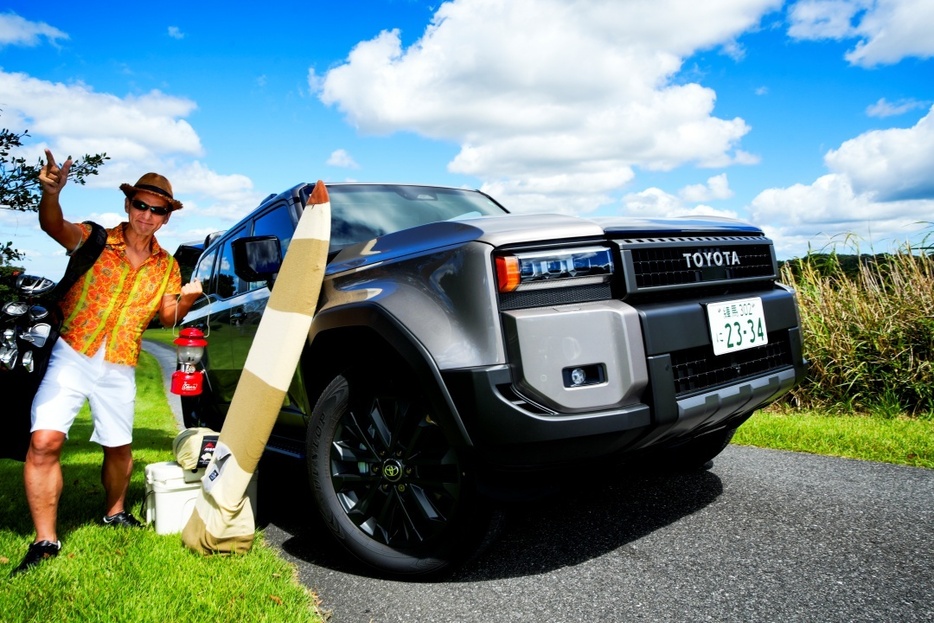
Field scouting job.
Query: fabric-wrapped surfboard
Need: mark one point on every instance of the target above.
(223, 519)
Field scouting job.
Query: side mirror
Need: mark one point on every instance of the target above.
(257, 258)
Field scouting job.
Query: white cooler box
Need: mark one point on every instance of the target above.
(171, 493)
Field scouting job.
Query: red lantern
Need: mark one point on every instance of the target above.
(187, 379)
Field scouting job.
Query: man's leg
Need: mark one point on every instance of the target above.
(42, 475)
(115, 476)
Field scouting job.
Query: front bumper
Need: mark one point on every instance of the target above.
(664, 387)
(512, 431)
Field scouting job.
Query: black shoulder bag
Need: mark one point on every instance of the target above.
(29, 327)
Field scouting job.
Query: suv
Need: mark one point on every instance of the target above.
(457, 350)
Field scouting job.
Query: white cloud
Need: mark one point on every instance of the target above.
(549, 90)
(652, 202)
(176, 33)
(825, 19)
(198, 179)
(884, 108)
(14, 30)
(892, 164)
(315, 82)
(656, 203)
(340, 158)
(880, 188)
(135, 127)
(892, 30)
(887, 30)
(138, 132)
(717, 187)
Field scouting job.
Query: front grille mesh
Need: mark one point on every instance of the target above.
(697, 369)
(677, 265)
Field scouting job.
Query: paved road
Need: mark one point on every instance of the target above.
(763, 536)
(167, 358)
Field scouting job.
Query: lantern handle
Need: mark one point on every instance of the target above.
(207, 332)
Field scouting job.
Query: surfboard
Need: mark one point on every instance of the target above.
(223, 520)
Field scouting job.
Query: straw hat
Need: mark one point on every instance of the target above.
(152, 183)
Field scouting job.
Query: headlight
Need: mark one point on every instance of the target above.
(553, 269)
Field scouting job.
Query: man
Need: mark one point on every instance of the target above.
(105, 313)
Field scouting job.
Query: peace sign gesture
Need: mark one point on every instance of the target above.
(51, 176)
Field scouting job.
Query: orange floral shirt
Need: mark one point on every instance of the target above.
(115, 302)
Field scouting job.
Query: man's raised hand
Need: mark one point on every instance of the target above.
(51, 176)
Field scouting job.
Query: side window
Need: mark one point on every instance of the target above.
(204, 271)
(227, 283)
(277, 222)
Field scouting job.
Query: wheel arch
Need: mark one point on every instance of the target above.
(339, 338)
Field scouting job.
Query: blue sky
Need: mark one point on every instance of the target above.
(813, 119)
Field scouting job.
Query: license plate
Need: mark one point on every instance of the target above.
(736, 325)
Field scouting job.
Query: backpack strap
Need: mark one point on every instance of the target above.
(81, 260)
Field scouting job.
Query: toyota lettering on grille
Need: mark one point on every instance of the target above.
(705, 259)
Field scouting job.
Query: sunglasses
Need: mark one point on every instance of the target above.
(157, 210)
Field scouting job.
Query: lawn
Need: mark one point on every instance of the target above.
(901, 440)
(108, 574)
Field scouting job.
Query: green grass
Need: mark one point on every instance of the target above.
(900, 440)
(106, 574)
(161, 335)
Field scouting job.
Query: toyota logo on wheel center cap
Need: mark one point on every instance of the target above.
(392, 470)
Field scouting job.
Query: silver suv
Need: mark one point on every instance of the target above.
(459, 352)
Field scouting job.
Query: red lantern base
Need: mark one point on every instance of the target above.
(187, 383)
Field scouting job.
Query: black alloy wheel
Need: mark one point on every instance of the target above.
(389, 483)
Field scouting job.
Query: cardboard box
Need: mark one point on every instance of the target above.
(171, 493)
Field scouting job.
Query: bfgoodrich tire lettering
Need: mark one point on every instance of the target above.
(388, 483)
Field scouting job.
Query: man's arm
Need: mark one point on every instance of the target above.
(51, 220)
(173, 310)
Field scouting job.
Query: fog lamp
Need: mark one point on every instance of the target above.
(584, 376)
(187, 379)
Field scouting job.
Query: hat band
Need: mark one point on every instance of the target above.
(154, 189)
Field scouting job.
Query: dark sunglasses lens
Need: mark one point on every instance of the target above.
(158, 211)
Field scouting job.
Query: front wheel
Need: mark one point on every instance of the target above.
(697, 453)
(388, 481)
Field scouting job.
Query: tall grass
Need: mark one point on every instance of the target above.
(868, 329)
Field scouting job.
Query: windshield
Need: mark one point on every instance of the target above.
(361, 212)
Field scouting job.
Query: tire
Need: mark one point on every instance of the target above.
(389, 483)
(698, 453)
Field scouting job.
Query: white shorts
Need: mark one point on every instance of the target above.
(71, 379)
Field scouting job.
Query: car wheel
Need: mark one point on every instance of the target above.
(388, 482)
(697, 453)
